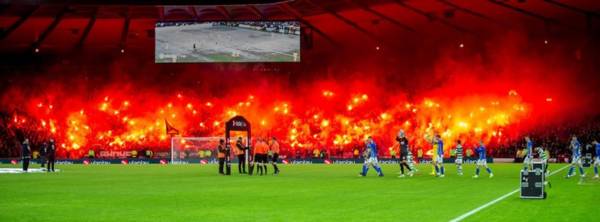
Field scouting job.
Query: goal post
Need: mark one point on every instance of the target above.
(190, 147)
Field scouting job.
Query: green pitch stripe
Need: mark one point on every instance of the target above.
(462, 217)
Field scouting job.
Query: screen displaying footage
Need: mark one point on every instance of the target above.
(231, 41)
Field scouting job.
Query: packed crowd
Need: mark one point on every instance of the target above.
(286, 27)
(554, 139)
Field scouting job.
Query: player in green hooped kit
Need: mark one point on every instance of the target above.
(544, 157)
(459, 157)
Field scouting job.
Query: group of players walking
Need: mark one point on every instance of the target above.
(574, 146)
(265, 152)
(576, 156)
(406, 157)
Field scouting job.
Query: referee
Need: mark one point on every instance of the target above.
(260, 152)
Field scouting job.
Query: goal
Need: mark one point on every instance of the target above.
(184, 149)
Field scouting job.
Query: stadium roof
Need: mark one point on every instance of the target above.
(57, 26)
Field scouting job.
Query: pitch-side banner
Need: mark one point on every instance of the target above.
(131, 161)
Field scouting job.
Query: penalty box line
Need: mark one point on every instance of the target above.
(462, 217)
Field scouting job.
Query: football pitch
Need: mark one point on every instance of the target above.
(299, 193)
(208, 43)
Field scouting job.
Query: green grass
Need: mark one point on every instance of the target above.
(300, 193)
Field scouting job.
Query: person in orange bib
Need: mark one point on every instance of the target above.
(274, 153)
(221, 155)
(240, 152)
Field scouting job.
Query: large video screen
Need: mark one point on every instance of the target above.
(219, 41)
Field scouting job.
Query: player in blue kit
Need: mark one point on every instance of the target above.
(371, 158)
(439, 166)
(596, 158)
(528, 153)
(575, 157)
(482, 161)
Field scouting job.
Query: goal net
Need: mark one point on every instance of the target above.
(186, 149)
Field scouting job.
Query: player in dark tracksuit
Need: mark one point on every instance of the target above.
(26, 154)
(403, 143)
(51, 156)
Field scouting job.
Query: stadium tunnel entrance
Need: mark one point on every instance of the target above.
(237, 124)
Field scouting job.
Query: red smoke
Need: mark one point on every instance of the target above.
(492, 91)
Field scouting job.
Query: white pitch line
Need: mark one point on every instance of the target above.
(462, 217)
